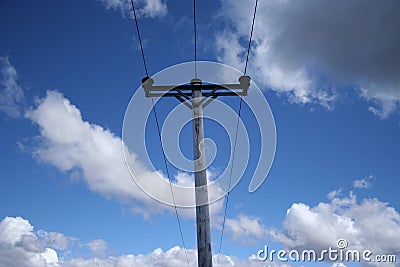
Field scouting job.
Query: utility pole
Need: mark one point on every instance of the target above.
(197, 96)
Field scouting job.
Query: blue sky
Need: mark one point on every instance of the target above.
(329, 71)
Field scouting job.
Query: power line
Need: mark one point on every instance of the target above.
(170, 184)
(230, 177)
(140, 39)
(159, 135)
(251, 36)
(195, 38)
(236, 134)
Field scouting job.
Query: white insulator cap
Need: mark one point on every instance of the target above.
(196, 81)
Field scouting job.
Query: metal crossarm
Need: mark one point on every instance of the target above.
(183, 92)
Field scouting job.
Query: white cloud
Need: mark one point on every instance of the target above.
(145, 8)
(11, 95)
(364, 183)
(246, 228)
(153, 8)
(159, 258)
(56, 240)
(310, 48)
(334, 194)
(50, 256)
(371, 224)
(19, 245)
(73, 145)
(97, 246)
(13, 231)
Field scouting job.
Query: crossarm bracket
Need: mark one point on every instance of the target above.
(183, 92)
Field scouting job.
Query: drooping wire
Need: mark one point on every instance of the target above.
(236, 135)
(140, 39)
(195, 38)
(160, 139)
(230, 178)
(251, 36)
(170, 184)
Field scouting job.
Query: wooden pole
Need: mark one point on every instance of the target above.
(202, 211)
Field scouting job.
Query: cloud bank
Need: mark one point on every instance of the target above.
(20, 245)
(370, 224)
(366, 225)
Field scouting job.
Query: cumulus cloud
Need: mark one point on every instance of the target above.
(71, 144)
(363, 183)
(16, 230)
(145, 8)
(20, 246)
(246, 228)
(371, 225)
(172, 257)
(309, 49)
(11, 94)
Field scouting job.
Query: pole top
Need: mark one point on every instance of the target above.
(196, 81)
